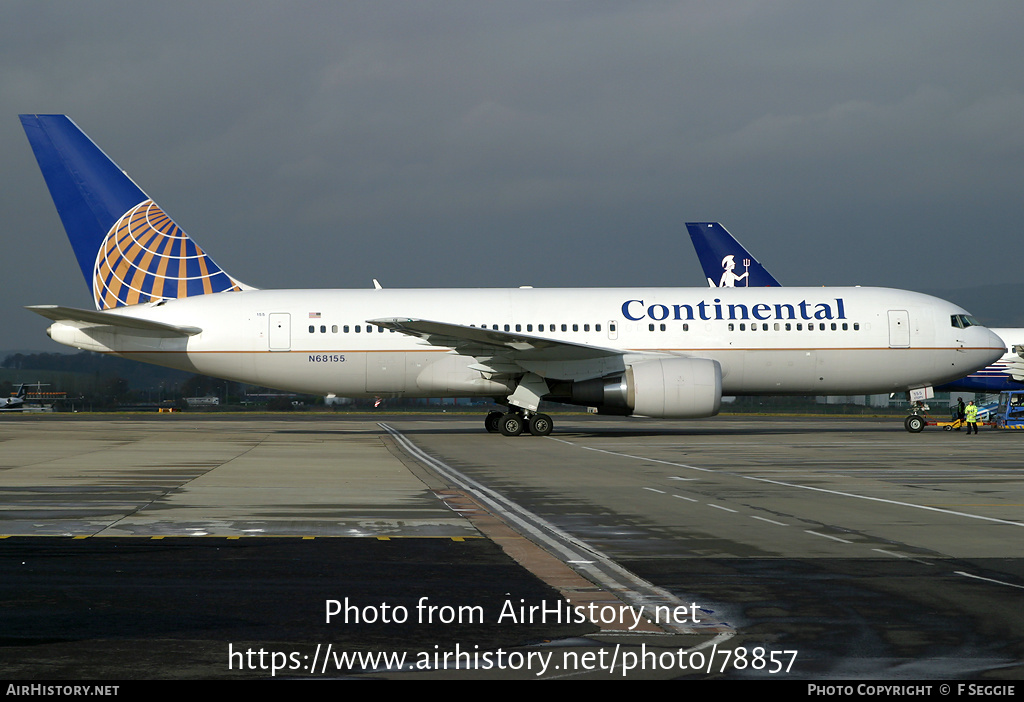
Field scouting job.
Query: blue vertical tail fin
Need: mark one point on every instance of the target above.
(724, 260)
(129, 250)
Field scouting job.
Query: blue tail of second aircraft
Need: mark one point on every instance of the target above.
(722, 257)
(129, 250)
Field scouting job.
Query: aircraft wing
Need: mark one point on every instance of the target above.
(511, 353)
(1015, 369)
(92, 317)
(478, 341)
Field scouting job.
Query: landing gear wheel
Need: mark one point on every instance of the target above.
(541, 425)
(913, 424)
(511, 424)
(493, 421)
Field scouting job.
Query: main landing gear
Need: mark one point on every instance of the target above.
(522, 412)
(515, 422)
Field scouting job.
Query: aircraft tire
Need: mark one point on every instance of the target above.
(541, 425)
(913, 424)
(512, 424)
(492, 422)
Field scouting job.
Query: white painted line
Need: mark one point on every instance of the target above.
(890, 553)
(684, 497)
(721, 507)
(902, 555)
(989, 580)
(827, 536)
(814, 489)
(660, 492)
(649, 460)
(770, 521)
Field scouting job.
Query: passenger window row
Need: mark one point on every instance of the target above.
(797, 326)
(359, 328)
(542, 327)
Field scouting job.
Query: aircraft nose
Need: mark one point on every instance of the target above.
(990, 342)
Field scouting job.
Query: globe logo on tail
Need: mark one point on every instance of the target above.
(146, 257)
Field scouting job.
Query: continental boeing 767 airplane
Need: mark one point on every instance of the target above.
(655, 352)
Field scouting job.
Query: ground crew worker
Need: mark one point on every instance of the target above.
(971, 414)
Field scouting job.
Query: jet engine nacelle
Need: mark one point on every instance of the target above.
(675, 387)
(664, 387)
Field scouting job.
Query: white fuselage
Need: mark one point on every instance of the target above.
(768, 341)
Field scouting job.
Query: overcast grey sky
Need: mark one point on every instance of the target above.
(516, 142)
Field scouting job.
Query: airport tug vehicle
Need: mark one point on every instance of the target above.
(1009, 413)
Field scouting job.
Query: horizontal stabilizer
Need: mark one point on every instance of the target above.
(91, 317)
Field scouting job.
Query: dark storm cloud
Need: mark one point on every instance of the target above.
(545, 143)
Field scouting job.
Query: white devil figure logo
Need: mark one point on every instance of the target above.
(729, 278)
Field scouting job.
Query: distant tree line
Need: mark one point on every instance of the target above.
(101, 381)
(138, 375)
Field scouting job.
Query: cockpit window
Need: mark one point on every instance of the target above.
(962, 321)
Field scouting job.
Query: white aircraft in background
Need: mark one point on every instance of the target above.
(712, 243)
(14, 403)
(656, 352)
